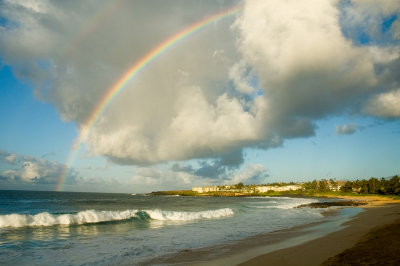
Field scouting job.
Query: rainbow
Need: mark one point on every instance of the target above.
(131, 73)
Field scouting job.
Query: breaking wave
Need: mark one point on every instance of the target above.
(92, 216)
(285, 203)
(293, 203)
(188, 216)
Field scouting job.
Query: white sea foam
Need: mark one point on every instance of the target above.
(281, 203)
(47, 219)
(293, 203)
(188, 216)
(92, 216)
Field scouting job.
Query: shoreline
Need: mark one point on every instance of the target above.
(309, 244)
(377, 213)
(208, 255)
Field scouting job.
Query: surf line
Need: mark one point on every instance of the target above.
(132, 72)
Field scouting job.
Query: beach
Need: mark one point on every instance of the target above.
(311, 244)
(380, 214)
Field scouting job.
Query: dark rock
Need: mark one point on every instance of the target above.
(332, 204)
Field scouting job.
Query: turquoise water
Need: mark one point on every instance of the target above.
(65, 228)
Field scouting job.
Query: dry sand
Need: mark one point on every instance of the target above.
(380, 212)
(381, 246)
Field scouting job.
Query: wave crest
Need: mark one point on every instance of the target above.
(92, 216)
(295, 203)
(188, 216)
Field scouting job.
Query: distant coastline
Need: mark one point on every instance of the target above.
(359, 189)
(349, 199)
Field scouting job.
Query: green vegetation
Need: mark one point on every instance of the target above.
(239, 185)
(373, 186)
(320, 186)
(175, 193)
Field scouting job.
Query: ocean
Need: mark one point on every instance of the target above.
(70, 228)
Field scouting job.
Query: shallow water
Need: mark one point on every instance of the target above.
(98, 228)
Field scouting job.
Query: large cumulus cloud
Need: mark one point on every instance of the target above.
(305, 65)
(313, 60)
(251, 80)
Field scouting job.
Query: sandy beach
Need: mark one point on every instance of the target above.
(304, 245)
(381, 214)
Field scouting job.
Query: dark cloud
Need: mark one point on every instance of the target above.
(210, 170)
(215, 168)
(178, 168)
(232, 159)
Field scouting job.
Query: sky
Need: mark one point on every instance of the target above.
(256, 92)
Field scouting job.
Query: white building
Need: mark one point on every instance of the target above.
(262, 189)
(205, 189)
(259, 189)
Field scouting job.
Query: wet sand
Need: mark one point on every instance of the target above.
(380, 246)
(379, 215)
(226, 253)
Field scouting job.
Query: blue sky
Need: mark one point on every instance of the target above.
(249, 99)
(33, 127)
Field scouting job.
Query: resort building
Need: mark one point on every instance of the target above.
(336, 186)
(262, 189)
(255, 189)
(205, 189)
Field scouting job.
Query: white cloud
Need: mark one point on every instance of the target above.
(252, 174)
(10, 158)
(240, 77)
(280, 68)
(30, 169)
(37, 7)
(304, 63)
(368, 17)
(30, 172)
(151, 178)
(347, 129)
(385, 105)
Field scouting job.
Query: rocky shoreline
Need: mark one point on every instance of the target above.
(327, 204)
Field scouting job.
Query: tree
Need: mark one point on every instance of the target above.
(393, 186)
(314, 185)
(373, 185)
(239, 185)
(348, 187)
(323, 186)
